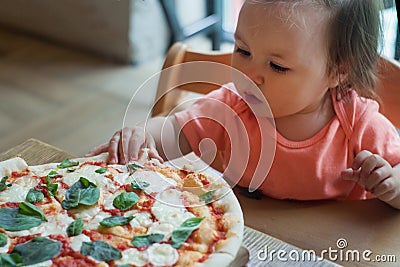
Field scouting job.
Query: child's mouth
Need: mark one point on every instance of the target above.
(251, 99)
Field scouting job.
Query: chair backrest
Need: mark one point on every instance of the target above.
(388, 89)
(388, 86)
(177, 54)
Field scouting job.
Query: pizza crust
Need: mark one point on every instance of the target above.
(10, 165)
(226, 249)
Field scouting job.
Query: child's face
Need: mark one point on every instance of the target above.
(285, 54)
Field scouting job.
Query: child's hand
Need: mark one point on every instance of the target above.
(376, 175)
(125, 145)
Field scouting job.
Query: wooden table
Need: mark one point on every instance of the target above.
(289, 225)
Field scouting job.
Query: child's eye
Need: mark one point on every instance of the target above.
(243, 52)
(278, 68)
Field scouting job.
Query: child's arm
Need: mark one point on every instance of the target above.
(377, 176)
(160, 134)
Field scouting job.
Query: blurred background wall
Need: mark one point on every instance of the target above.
(129, 31)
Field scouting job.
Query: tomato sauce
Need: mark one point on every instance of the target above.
(147, 204)
(183, 173)
(68, 257)
(22, 239)
(102, 164)
(109, 176)
(16, 174)
(93, 235)
(123, 246)
(113, 212)
(10, 205)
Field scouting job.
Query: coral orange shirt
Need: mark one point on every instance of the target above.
(305, 170)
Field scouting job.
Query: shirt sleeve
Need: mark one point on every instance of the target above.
(375, 133)
(207, 118)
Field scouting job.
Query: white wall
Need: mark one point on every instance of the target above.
(124, 30)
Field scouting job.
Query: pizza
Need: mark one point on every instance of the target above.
(85, 212)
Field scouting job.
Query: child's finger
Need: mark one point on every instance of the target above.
(97, 150)
(136, 143)
(113, 148)
(377, 177)
(360, 158)
(351, 175)
(347, 174)
(386, 190)
(124, 145)
(370, 163)
(153, 153)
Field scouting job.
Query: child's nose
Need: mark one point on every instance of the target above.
(255, 75)
(259, 80)
(256, 78)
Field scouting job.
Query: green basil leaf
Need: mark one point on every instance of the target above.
(31, 210)
(132, 167)
(52, 187)
(67, 163)
(146, 240)
(84, 183)
(70, 170)
(180, 235)
(208, 196)
(3, 184)
(100, 250)
(75, 228)
(136, 184)
(82, 192)
(3, 240)
(192, 223)
(101, 170)
(10, 260)
(125, 200)
(12, 220)
(52, 174)
(71, 199)
(39, 249)
(115, 221)
(34, 196)
(89, 196)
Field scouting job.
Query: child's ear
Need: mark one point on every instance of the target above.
(337, 77)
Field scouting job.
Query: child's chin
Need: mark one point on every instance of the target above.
(261, 110)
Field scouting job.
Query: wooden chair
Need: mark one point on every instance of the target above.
(388, 86)
(179, 53)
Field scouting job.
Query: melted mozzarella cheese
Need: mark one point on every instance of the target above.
(19, 189)
(55, 225)
(161, 228)
(15, 193)
(108, 200)
(169, 208)
(123, 178)
(89, 172)
(41, 264)
(134, 257)
(94, 223)
(162, 254)
(157, 181)
(85, 212)
(76, 241)
(142, 219)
